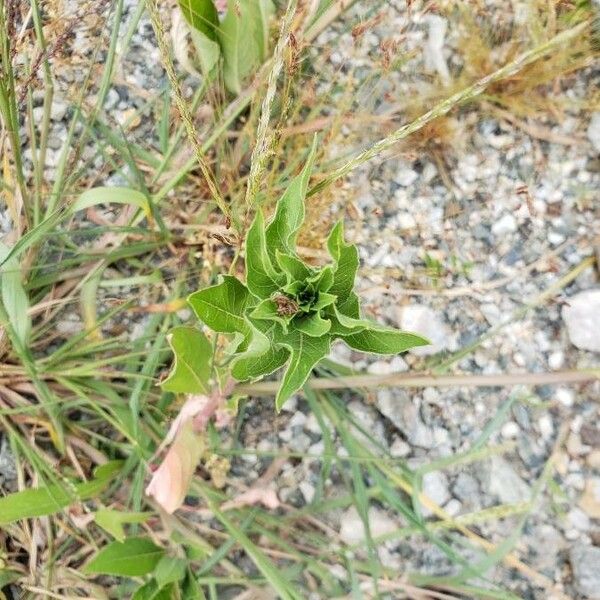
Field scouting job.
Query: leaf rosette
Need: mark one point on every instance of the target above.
(289, 312)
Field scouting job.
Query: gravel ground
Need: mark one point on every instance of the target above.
(450, 249)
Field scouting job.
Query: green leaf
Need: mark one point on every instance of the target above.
(48, 500)
(260, 12)
(112, 195)
(350, 306)
(293, 266)
(222, 306)
(312, 324)
(202, 16)
(384, 340)
(267, 311)
(323, 280)
(112, 521)
(261, 278)
(207, 51)
(14, 296)
(306, 352)
(324, 300)
(170, 569)
(283, 228)
(191, 369)
(239, 46)
(346, 260)
(134, 557)
(259, 366)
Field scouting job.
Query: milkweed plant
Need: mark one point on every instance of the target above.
(286, 314)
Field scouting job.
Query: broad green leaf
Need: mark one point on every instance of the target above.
(346, 261)
(283, 228)
(134, 557)
(112, 195)
(44, 501)
(261, 278)
(312, 324)
(112, 521)
(261, 11)
(292, 266)
(151, 591)
(267, 311)
(324, 299)
(207, 51)
(202, 16)
(238, 43)
(222, 306)
(170, 569)
(14, 296)
(259, 366)
(191, 590)
(384, 340)
(306, 352)
(323, 280)
(192, 358)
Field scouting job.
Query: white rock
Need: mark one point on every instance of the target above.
(308, 491)
(585, 561)
(593, 131)
(546, 426)
(406, 221)
(406, 177)
(504, 225)
(582, 318)
(385, 367)
(399, 448)
(577, 519)
(434, 48)
(565, 396)
(504, 482)
(426, 322)
(352, 530)
(453, 507)
(510, 430)
(556, 360)
(435, 487)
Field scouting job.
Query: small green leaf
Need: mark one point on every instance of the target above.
(191, 369)
(293, 266)
(112, 195)
(384, 340)
(134, 557)
(346, 260)
(323, 280)
(261, 278)
(48, 500)
(283, 228)
(260, 12)
(267, 311)
(349, 306)
(208, 52)
(259, 366)
(14, 296)
(112, 521)
(202, 16)
(222, 306)
(170, 569)
(306, 352)
(312, 324)
(324, 300)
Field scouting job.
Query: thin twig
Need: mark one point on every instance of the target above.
(448, 104)
(428, 380)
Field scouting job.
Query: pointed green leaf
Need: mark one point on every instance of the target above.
(261, 11)
(261, 277)
(324, 300)
(151, 591)
(384, 340)
(239, 46)
(346, 260)
(222, 306)
(169, 570)
(323, 280)
(312, 324)
(283, 228)
(261, 356)
(134, 557)
(306, 352)
(293, 266)
(192, 357)
(47, 500)
(207, 50)
(267, 311)
(349, 305)
(202, 16)
(259, 366)
(14, 297)
(112, 521)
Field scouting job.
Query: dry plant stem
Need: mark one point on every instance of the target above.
(264, 139)
(427, 380)
(448, 104)
(183, 108)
